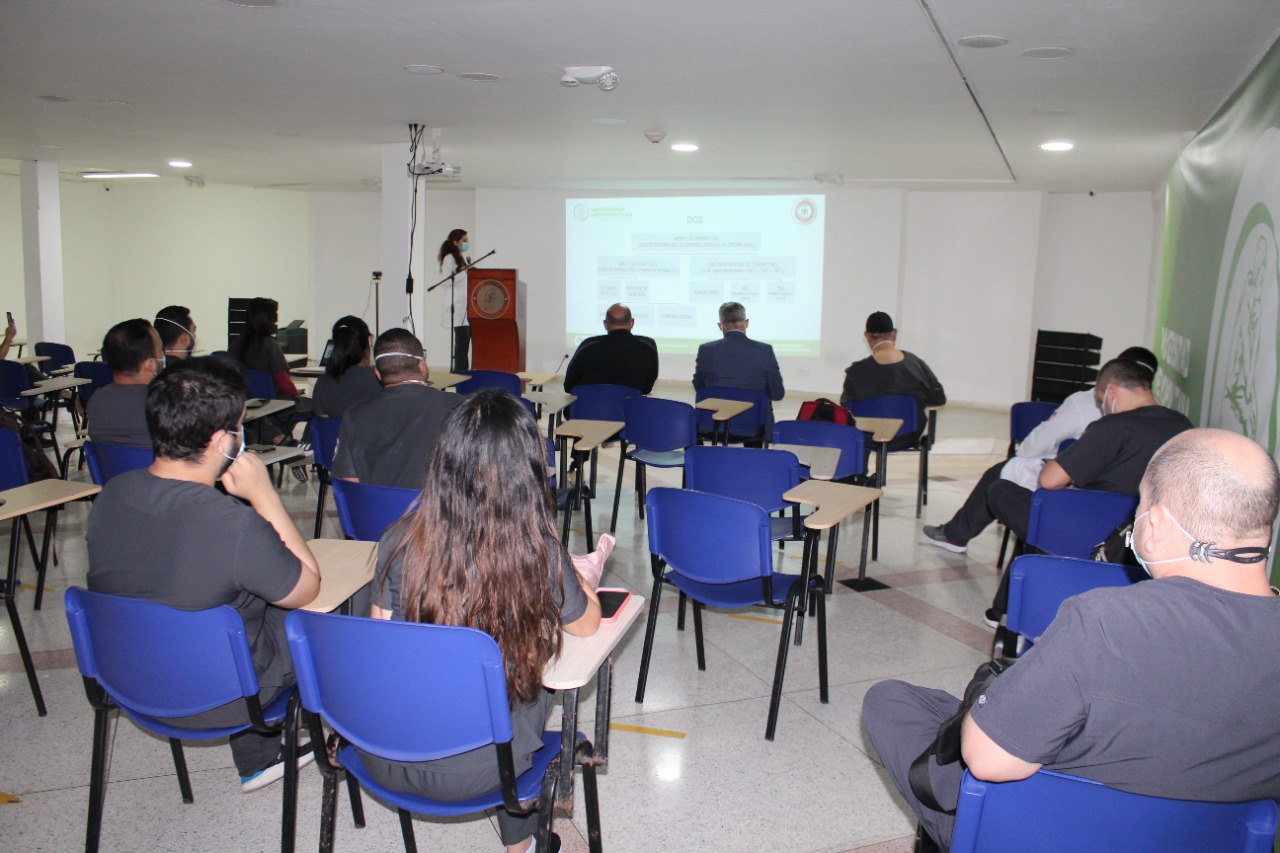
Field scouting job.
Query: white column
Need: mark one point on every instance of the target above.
(42, 252)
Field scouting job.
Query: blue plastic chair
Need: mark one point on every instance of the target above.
(751, 474)
(261, 385)
(748, 426)
(156, 663)
(98, 374)
(601, 402)
(851, 468)
(60, 356)
(657, 433)
(108, 460)
(490, 379)
(1051, 812)
(1023, 418)
(1070, 522)
(716, 551)
(366, 511)
(367, 678)
(906, 408)
(1039, 583)
(13, 381)
(324, 444)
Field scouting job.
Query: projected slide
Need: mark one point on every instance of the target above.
(673, 261)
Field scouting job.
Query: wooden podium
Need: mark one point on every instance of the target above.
(495, 309)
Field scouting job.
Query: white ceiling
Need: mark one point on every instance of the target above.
(306, 93)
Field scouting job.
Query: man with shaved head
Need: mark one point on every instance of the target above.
(1169, 688)
(616, 357)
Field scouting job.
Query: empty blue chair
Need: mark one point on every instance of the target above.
(1039, 583)
(912, 437)
(410, 691)
(108, 460)
(155, 663)
(1070, 522)
(852, 467)
(261, 385)
(366, 511)
(13, 381)
(1023, 418)
(748, 426)
(59, 356)
(1051, 812)
(324, 444)
(716, 551)
(751, 474)
(490, 379)
(657, 433)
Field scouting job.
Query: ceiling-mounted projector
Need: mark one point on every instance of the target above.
(435, 169)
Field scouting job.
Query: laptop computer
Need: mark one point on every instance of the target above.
(328, 353)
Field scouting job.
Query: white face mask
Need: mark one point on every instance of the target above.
(231, 460)
(1199, 551)
(1146, 566)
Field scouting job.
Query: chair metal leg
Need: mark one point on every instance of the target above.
(808, 561)
(594, 842)
(406, 830)
(1004, 546)
(328, 811)
(289, 804)
(866, 536)
(324, 486)
(357, 805)
(697, 635)
(617, 487)
(780, 669)
(97, 780)
(922, 484)
(11, 606)
(875, 529)
(31, 540)
(823, 694)
(680, 612)
(642, 486)
(180, 767)
(42, 564)
(648, 636)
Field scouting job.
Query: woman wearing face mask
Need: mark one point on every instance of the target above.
(452, 254)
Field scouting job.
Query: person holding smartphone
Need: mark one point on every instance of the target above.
(479, 548)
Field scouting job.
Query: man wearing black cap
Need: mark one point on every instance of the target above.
(889, 370)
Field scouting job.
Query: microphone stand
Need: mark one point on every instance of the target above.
(452, 295)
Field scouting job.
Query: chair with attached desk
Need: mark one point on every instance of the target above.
(602, 402)
(751, 474)
(716, 551)
(324, 444)
(60, 356)
(366, 511)
(1051, 811)
(32, 409)
(108, 460)
(364, 678)
(1039, 583)
(155, 663)
(656, 434)
(490, 379)
(911, 437)
(748, 426)
(852, 467)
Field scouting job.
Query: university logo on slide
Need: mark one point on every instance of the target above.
(1241, 377)
(805, 211)
(581, 212)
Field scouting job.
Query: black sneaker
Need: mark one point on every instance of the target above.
(275, 770)
(937, 536)
(992, 617)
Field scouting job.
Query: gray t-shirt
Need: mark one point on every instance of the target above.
(118, 415)
(1169, 688)
(332, 397)
(386, 441)
(192, 547)
(868, 378)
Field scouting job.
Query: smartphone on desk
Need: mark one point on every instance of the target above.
(611, 603)
(260, 448)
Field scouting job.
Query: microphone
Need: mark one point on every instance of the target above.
(468, 260)
(561, 364)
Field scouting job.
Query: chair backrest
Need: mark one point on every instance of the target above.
(1066, 814)
(490, 379)
(601, 402)
(366, 510)
(261, 385)
(13, 462)
(60, 355)
(1039, 583)
(98, 374)
(749, 422)
(157, 661)
(1069, 522)
(708, 538)
(13, 381)
(406, 691)
(902, 406)
(108, 460)
(656, 424)
(849, 441)
(324, 440)
(745, 473)
(1024, 417)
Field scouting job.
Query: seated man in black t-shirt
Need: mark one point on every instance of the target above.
(165, 534)
(1109, 457)
(616, 358)
(117, 412)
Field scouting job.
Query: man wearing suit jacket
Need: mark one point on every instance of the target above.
(736, 361)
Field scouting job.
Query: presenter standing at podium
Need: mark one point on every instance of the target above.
(452, 251)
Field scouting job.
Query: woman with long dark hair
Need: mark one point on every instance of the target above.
(453, 251)
(257, 349)
(479, 548)
(349, 377)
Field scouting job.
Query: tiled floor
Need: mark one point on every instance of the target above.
(698, 776)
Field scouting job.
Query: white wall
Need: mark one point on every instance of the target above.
(344, 250)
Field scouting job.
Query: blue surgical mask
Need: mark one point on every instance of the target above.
(465, 247)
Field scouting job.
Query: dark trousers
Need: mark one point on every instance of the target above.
(461, 346)
(901, 721)
(991, 499)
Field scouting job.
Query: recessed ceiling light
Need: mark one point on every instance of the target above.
(114, 103)
(607, 120)
(180, 164)
(1053, 113)
(683, 146)
(983, 41)
(479, 77)
(1057, 145)
(254, 4)
(424, 70)
(1048, 53)
(56, 99)
(112, 176)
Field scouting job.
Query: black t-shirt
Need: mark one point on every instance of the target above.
(191, 547)
(618, 358)
(867, 379)
(118, 415)
(332, 397)
(386, 441)
(1113, 453)
(264, 355)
